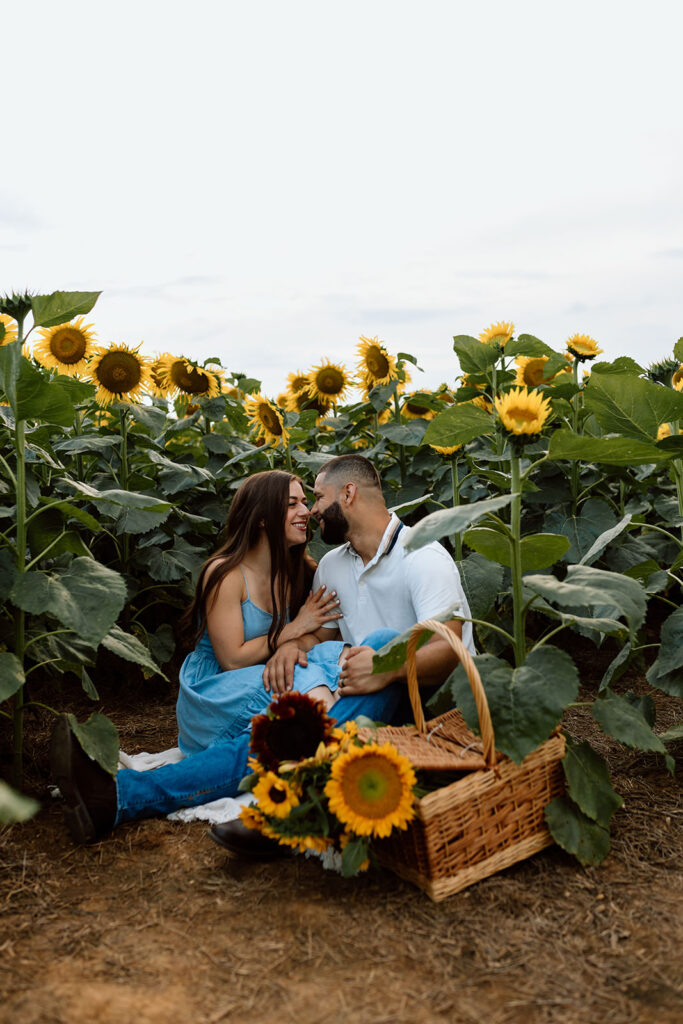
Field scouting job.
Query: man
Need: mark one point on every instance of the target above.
(383, 591)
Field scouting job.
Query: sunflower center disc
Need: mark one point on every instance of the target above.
(376, 362)
(192, 381)
(68, 346)
(269, 419)
(119, 372)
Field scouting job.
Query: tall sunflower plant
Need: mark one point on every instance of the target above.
(59, 603)
(321, 789)
(528, 693)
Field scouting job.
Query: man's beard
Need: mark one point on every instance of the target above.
(333, 524)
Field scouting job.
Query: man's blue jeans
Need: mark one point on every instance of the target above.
(215, 773)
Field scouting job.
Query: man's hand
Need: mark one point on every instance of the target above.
(278, 675)
(356, 674)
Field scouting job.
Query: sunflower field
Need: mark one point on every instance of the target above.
(554, 478)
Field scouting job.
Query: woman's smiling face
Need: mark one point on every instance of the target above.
(296, 516)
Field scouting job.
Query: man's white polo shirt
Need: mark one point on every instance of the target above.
(395, 589)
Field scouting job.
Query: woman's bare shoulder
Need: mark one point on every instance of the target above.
(232, 582)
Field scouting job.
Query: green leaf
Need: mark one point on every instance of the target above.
(616, 667)
(525, 705)
(162, 643)
(593, 520)
(527, 345)
(672, 734)
(475, 356)
(99, 739)
(575, 832)
(624, 722)
(604, 540)
(87, 443)
(666, 673)
(127, 499)
(448, 521)
(538, 551)
(404, 433)
(8, 572)
(11, 675)
(678, 350)
(140, 520)
(458, 424)
(482, 581)
(87, 597)
(604, 594)
(88, 685)
(622, 364)
(410, 504)
(311, 460)
(31, 394)
(588, 782)
(631, 406)
(70, 511)
(613, 451)
(354, 854)
(392, 655)
(60, 307)
(14, 806)
(129, 647)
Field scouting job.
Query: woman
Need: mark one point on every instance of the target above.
(250, 598)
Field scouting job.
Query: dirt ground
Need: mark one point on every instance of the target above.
(154, 926)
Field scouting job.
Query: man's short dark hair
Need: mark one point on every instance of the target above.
(351, 468)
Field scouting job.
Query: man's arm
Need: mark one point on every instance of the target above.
(278, 675)
(435, 661)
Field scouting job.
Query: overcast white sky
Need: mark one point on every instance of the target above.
(267, 181)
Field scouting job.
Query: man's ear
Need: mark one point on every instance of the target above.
(350, 491)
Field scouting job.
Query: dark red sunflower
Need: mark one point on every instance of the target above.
(291, 729)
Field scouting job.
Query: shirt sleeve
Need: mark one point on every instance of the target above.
(434, 583)
(318, 580)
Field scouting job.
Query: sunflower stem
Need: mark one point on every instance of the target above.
(401, 448)
(516, 558)
(78, 430)
(457, 539)
(124, 480)
(20, 622)
(574, 477)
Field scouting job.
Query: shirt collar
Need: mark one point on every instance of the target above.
(385, 544)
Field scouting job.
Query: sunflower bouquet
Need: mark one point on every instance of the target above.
(320, 787)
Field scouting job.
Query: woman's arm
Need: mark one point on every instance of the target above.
(318, 608)
(226, 628)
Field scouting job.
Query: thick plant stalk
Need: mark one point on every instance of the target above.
(457, 539)
(124, 482)
(20, 622)
(516, 559)
(575, 427)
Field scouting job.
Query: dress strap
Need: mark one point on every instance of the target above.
(246, 585)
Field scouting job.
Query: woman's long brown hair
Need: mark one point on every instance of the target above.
(261, 502)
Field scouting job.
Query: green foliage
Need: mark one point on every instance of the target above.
(60, 307)
(99, 739)
(575, 832)
(14, 806)
(524, 707)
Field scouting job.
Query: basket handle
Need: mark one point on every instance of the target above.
(485, 725)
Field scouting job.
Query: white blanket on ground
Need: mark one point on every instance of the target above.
(226, 809)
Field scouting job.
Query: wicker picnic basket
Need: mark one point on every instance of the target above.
(490, 817)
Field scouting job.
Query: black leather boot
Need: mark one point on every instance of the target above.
(89, 792)
(244, 843)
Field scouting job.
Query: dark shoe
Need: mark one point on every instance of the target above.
(89, 792)
(244, 843)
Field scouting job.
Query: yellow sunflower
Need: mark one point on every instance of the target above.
(531, 371)
(446, 449)
(677, 379)
(329, 381)
(266, 419)
(160, 385)
(274, 795)
(370, 789)
(500, 332)
(251, 816)
(413, 409)
(10, 329)
(181, 376)
(376, 365)
(120, 373)
(65, 348)
(581, 346)
(522, 411)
